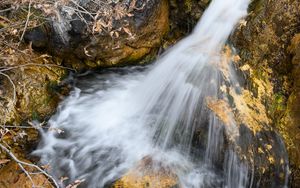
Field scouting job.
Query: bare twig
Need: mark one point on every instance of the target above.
(23, 127)
(32, 126)
(19, 127)
(5, 10)
(5, 19)
(34, 64)
(26, 23)
(12, 83)
(29, 164)
(86, 11)
(11, 26)
(27, 174)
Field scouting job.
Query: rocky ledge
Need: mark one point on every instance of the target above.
(72, 35)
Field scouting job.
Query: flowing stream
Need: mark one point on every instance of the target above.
(124, 116)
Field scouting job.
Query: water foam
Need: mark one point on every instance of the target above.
(154, 113)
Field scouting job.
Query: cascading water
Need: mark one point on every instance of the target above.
(155, 113)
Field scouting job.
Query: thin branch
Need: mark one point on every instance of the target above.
(5, 10)
(13, 25)
(35, 173)
(81, 11)
(86, 11)
(34, 64)
(28, 164)
(12, 83)
(27, 174)
(26, 23)
(32, 126)
(5, 19)
(23, 127)
(6, 131)
(25, 171)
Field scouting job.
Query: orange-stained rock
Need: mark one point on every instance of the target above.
(146, 175)
(266, 44)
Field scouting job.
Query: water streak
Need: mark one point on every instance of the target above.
(159, 113)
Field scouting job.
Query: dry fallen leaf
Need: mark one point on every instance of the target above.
(75, 184)
(63, 178)
(4, 161)
(46, 167)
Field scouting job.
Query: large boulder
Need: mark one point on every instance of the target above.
(28, 86)
(147, 174)
(102, 34)
(263, 41)
(290, 122)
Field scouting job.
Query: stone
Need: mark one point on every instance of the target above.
(263, 41)
(119, 39)
(146, 175)
(38, 37)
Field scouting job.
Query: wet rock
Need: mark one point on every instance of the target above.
(266, 34)
(243, 127)
(289, 123)
(147, 174)
(266, 156)
(262, 40)
(184, 14)
(78, 27)
(38, 37)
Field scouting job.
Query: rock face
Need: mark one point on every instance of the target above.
(104, 35)
(122, 33)
(146, 175)
(31, 94)
(184, 14)
(263, 41)
(266, 42)
(290, 122)
(29, 91)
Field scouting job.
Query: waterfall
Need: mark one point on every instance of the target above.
(117, 120)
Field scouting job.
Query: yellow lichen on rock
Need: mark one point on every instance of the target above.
(147, 174)
(221, 108)
(141, 179)
(250, 111)
(224, 112)
(247, 108)
(288, 124)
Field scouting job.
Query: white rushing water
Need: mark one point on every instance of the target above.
(154, 113)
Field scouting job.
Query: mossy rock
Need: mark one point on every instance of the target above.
(263, 45)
